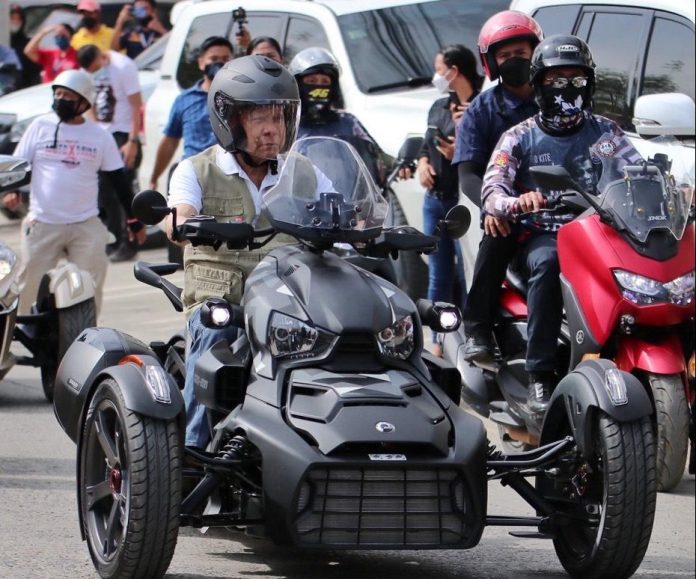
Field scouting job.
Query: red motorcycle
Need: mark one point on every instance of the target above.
(627, 275)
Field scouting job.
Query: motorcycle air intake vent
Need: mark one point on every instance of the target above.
(405, 507)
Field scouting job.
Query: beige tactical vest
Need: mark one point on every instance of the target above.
(222, 273)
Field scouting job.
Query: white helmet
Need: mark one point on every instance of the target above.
(77, 81)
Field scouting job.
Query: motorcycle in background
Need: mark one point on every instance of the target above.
(627, 276)
(64, 305)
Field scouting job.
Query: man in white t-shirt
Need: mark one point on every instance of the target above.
(116, 107)
(67, 152)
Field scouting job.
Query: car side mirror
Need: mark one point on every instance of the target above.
(14, 173)
(150, 207)
(456, 223)
(665, 114)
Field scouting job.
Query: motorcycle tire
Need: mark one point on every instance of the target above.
(129, 486)
(672, 416)
(606, 532)
(411, 270)
(71, 321)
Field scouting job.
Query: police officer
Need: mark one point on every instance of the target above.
(562, 133)
(505, 43)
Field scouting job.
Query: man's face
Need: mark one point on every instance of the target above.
(264, 127)
(519, 48)
(66, 94)
(214, 54)
(268, 50)
(15, 21)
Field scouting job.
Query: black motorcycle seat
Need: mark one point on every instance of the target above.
(516, 280)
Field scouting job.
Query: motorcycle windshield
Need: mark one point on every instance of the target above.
(325, 191)
(642, 195)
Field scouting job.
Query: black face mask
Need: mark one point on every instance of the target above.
(562, 102)
(65, 109)
(88, 22)
(211, 69)
(515, 71)
(144, 21)
(316, 98)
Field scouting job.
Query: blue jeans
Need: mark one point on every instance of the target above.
(539, 257)
(446, 264)
(199, 340)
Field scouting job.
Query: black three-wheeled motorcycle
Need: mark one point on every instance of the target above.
(332, 428)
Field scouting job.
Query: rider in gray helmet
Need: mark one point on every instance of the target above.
(253, 103)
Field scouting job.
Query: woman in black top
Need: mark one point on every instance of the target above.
(456, 74)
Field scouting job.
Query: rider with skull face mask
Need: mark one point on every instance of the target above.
(563, 77)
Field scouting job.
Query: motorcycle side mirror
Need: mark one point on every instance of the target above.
(150, 207)
(553, 178)
(14, 173)
(409, 149)
(456, 223)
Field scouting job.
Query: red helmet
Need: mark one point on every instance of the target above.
(502, 27)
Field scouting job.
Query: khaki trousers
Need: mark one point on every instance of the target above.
(43, 244)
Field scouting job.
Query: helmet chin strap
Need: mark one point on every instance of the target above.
(249, 160)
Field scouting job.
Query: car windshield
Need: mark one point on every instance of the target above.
(645, 196)
(325, 191)
(394, 47)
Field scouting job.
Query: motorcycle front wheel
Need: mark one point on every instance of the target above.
(672, 417)
(607, 505)
(70, 323)
(129, 487)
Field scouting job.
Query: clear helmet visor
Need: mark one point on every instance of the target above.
(263, 129)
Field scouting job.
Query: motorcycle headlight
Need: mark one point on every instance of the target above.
(396, 341)
(8, 259)
(643, 290)
(290, 337)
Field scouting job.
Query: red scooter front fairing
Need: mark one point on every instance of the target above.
(589, 252)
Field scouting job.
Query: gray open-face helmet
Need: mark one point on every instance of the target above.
(244, 84)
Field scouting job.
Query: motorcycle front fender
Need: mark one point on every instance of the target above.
(665, 356)
(582, 394)
(70, 285)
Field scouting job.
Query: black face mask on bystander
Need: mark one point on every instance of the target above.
(65, 109)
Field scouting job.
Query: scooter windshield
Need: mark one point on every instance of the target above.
(325, 192)
(642, 196)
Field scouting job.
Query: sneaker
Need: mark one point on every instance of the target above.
(124, 253)
(479, 349)
(539, 391)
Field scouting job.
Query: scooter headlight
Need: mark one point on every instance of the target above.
(296, 339)
(643, 290)
(396, 341)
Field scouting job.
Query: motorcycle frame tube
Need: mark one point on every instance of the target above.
(578, 397)
(287, 457)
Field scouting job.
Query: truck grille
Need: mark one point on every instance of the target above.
(383, 507)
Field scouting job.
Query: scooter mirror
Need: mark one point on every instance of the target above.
(409, 150)
(456, 223)
(150, 207)
(553, 178)
(14, 173)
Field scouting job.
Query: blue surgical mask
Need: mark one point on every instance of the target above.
(62, 42)
(140, 12)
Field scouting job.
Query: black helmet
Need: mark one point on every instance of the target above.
(561, 50)
(314, 60)
(246, 82)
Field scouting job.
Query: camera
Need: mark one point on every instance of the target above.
(239, 16)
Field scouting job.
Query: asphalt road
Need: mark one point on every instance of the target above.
(39, 535)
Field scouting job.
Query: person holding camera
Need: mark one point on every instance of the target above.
(188, 117)
(137, 27)
(456, 74)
